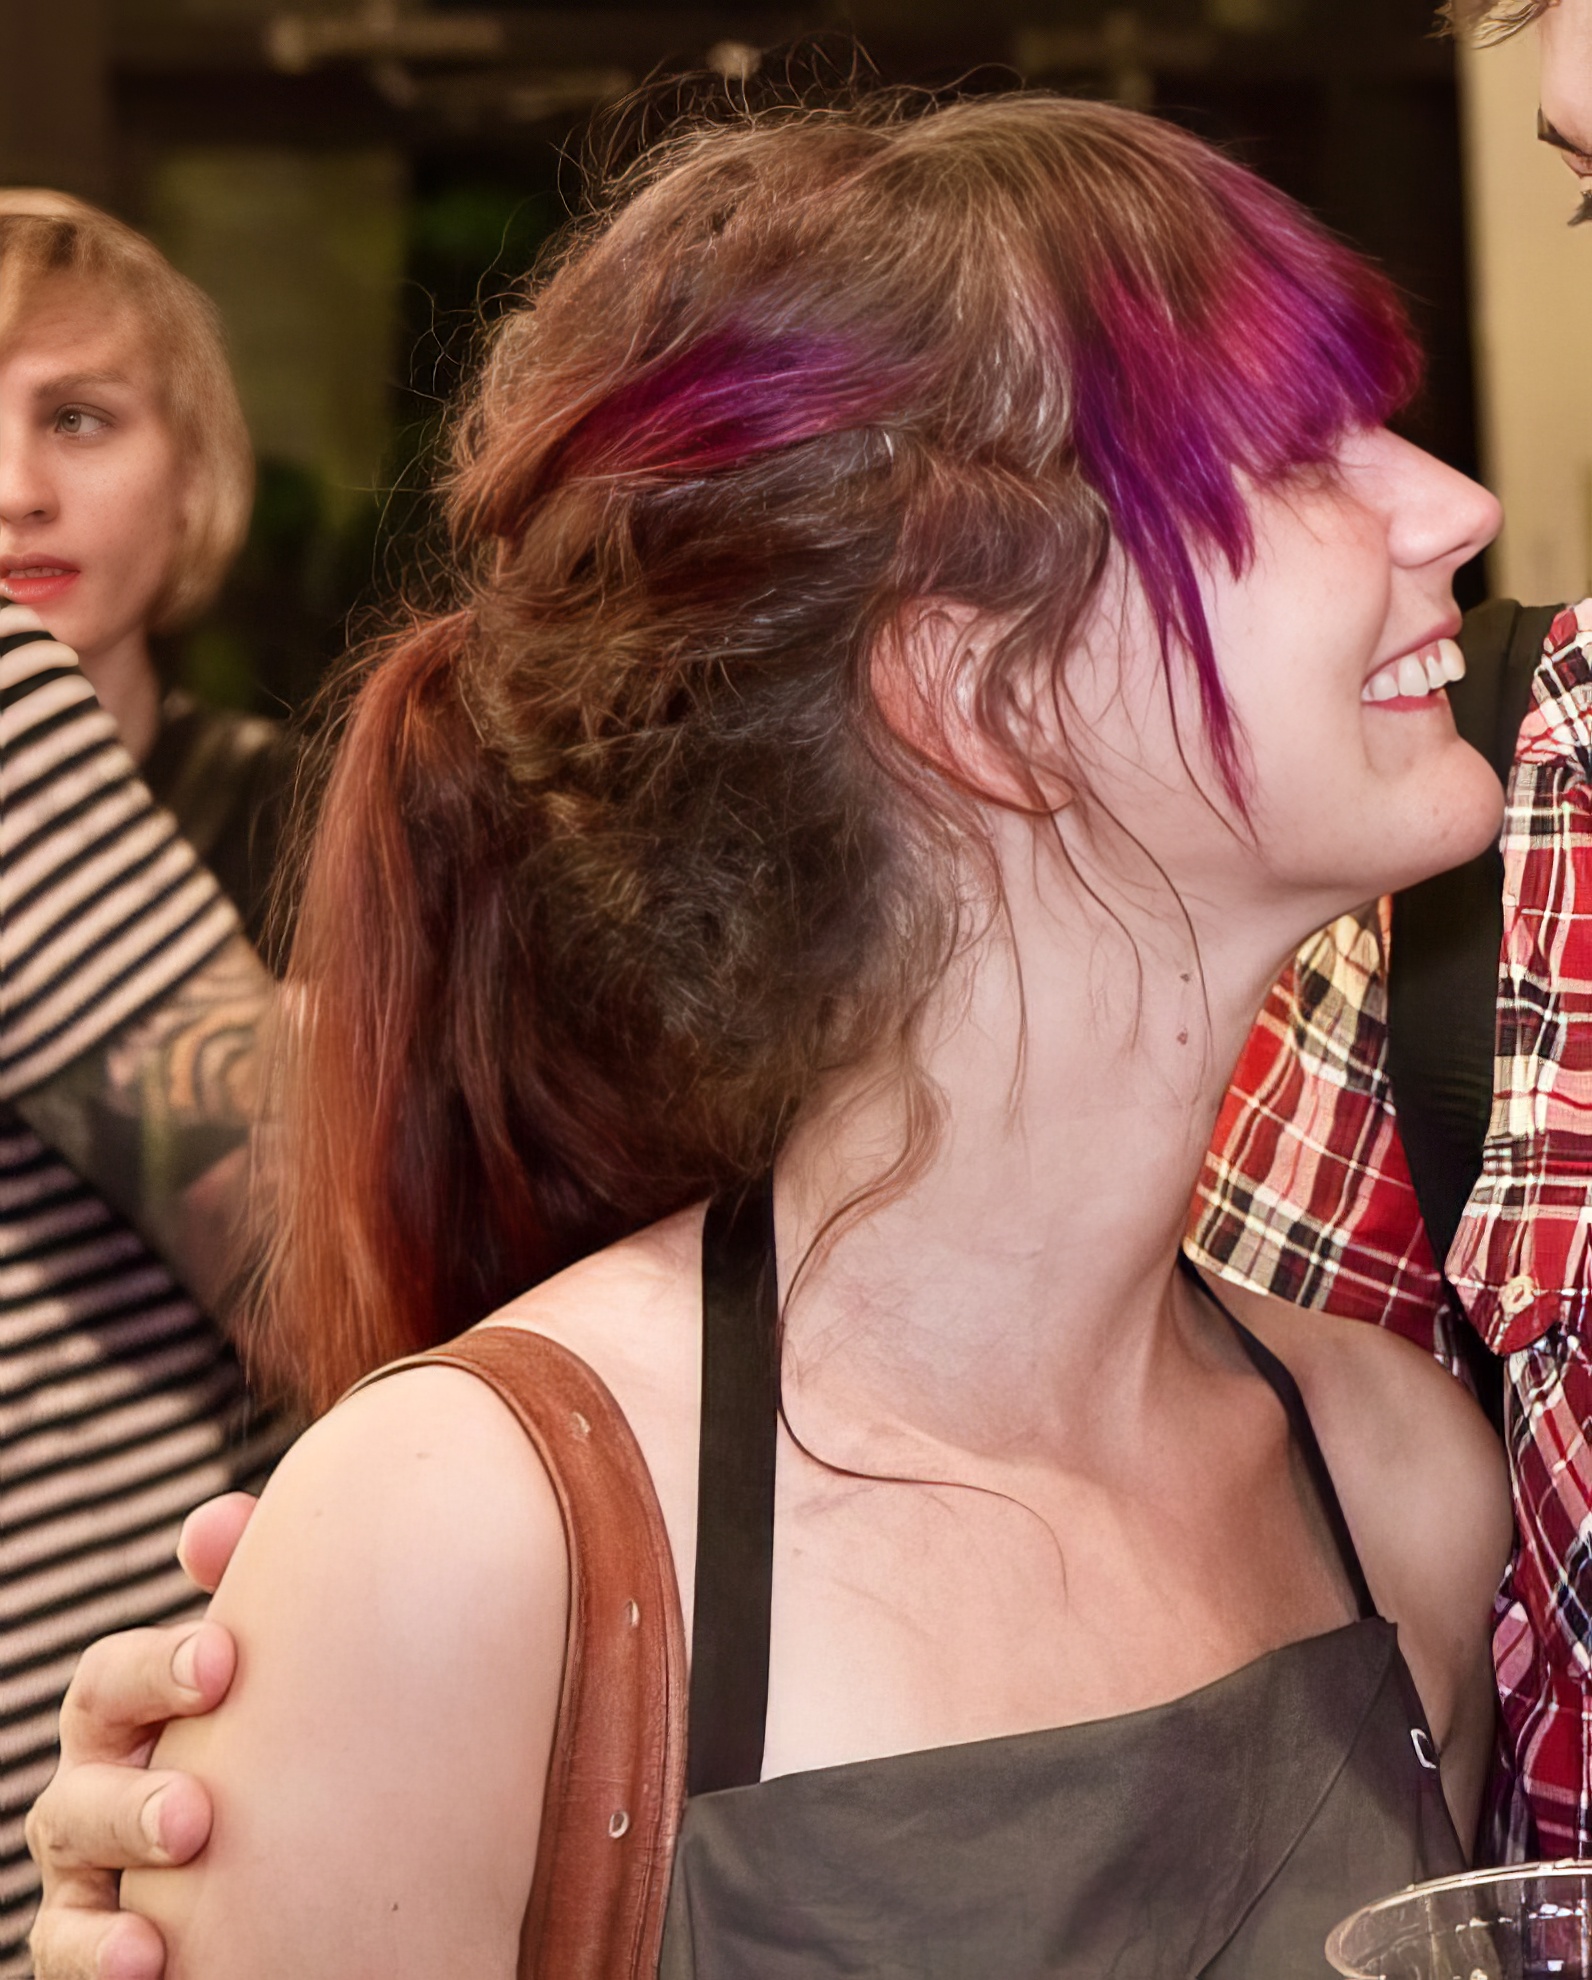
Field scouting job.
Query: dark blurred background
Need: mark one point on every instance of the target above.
(356, 184)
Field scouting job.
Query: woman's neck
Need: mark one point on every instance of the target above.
(123, 676)
(1079, 1058)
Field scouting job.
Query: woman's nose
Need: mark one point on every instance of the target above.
(1477, 517)
(1437, 516)
(26, 494)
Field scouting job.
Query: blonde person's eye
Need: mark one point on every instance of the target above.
(78, 423)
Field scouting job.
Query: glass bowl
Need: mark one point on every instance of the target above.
(1529, 1921)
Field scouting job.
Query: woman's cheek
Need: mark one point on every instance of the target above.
(141, 532)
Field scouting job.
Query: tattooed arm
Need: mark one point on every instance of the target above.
(130, 1005)
(158, 1118)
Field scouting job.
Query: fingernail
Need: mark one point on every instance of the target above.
(124, 1956)
(185, 1662)
(149, 1819)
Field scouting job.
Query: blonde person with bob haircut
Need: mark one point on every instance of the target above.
(87, 303)
(135, 833)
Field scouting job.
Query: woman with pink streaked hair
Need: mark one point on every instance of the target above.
(935, 617)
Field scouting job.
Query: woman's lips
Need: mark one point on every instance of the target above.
(34, 584)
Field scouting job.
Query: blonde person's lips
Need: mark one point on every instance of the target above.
(1418, 676)
(35, 580)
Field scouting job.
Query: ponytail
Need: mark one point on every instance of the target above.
(406, 1208)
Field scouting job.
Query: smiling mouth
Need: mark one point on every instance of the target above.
(1413, 676)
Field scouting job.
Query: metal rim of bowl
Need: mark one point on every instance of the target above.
(1564, 1867)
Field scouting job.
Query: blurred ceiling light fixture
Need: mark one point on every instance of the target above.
(380, 34)
(1249, 16)
(735, 61)
(390, 40)
(472, 102)
(573, 89)
(1122, 50)
(1130, 79)
(394, 84)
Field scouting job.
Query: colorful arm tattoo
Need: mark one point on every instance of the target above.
(159, 1117)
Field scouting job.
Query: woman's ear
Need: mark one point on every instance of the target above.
(928, 671)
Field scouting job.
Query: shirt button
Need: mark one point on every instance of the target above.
(1517, 1293)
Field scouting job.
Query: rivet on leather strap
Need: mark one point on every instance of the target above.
(617, 1770)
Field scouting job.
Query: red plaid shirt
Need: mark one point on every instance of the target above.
(1306, 1194)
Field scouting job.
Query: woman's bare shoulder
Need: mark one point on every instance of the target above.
(1423, 1484)
(1420, 1473)
(399, 1605)
(420, 1493)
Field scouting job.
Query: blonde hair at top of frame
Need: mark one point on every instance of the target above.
(47, 236)
(1490, 20)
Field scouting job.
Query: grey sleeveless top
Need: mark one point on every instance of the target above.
(1220, 1836)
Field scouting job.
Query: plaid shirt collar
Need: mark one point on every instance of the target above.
(1520, 1260)
(1306, 1194)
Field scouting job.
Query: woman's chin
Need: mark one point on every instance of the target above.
(1461, 818)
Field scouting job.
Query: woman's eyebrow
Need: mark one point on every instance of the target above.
(76, 381)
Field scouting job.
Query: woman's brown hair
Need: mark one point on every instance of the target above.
(617, 859)
(49, 237)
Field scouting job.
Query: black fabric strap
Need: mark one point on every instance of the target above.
(735, 1491)
(735, 1485)
(1280, 1380)
(1443, 976)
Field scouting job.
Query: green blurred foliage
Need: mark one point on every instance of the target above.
(471, 241)
(320, 562)
(464, 235)
(282, 619)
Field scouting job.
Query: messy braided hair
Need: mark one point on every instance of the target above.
(618, 859)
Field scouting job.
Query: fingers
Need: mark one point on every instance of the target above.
(91, 1945)
(210, 1533)
(102, 1814)
(126, 1687)
(97, 1819)
(92, 1822)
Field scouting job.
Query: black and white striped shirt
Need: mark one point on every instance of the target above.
(121, 1404)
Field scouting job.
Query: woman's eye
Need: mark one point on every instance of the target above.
(77, 423)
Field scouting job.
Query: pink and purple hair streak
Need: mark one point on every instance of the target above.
(1244, 354)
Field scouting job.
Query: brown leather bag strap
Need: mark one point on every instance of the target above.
(616, 1782)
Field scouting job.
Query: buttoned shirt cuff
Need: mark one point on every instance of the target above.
(1522, 1260)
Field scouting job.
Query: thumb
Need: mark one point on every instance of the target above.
(210, 1534)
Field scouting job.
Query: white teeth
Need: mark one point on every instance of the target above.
(1416, 675)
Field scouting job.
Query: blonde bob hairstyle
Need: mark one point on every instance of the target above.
(49, 237)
